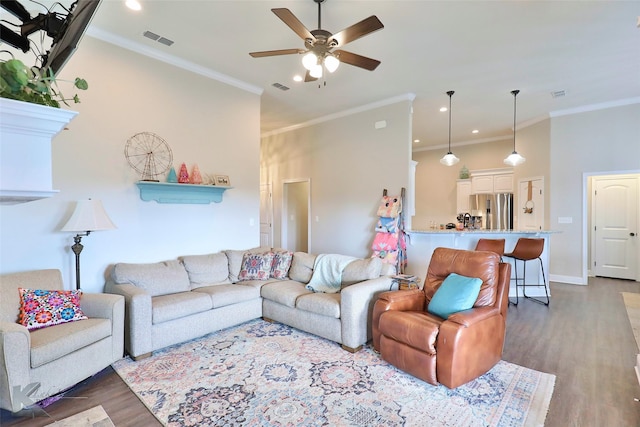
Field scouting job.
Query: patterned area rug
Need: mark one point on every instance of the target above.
(268, 374)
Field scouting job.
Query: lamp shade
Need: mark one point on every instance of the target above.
(89, 215)
(449, 159)
(514, 159)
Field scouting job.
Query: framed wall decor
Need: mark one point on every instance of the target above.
(222, 180)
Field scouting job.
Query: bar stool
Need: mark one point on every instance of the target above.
(526, 250)
(491, 245)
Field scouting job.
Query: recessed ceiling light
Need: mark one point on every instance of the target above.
(297, 78)
(133, 4)
(443, 109)
(475, 131)
(415, 141)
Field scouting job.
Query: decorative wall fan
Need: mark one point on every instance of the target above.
(320, 44)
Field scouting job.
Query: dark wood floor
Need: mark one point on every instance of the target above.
(583, 337)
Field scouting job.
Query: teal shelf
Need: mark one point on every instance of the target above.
(169, 192)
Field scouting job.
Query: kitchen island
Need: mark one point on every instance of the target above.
(421, 244)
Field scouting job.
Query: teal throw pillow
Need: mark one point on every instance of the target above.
(457, 293)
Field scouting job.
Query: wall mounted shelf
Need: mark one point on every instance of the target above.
(169, 192)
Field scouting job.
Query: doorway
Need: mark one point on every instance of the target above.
(296, 219)
(615, 222)
(266, 216)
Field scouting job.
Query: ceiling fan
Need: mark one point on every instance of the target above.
(320, 44)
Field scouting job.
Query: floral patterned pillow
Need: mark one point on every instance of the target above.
(256, 266)
(281, 264)
(42, 308)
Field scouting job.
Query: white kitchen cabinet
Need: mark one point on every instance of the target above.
(503, 183)
(482, 184)
(463, 192)
(491, 182)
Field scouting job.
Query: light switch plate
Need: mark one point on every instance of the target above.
(565, 220)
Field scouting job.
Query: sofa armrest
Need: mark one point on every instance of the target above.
(409, 300)
(356, 306)
(15, 358)
(107, 306)
(137, 317)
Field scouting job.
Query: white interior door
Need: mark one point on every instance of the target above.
(530, 209)
(266, 215)
(615, 219)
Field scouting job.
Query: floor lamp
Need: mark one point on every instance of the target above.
(88, 216)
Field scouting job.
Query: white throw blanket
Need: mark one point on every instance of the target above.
(327, 273)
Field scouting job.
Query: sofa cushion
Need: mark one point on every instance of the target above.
(206, 270)
(223, 295)
(42, 308)
(286, 292)
(256, 266)
(360, 270)
(234, 258)
(52, 343)
(174, 306)
(302, 267)
(158, 278)
(281, 263)
(320, 303)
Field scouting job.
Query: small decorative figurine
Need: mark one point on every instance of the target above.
(196, 178)
(183, 178)
(172, 177)
(464, 172)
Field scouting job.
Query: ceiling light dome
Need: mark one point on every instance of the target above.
(332, 63)
(316, 71)
(309, 60)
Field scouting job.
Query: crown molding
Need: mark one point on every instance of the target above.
(142, 49)
(463, 143)
(595, 107)
(340, 114)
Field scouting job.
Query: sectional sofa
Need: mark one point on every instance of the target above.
(177, 300)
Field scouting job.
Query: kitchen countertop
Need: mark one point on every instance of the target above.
(471, 231)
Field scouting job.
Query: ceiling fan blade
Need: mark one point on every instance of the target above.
(275, 52)
(309, 78)
(358, 30)
(357, 60)
(293, 23)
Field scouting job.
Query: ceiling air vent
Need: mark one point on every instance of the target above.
(279, 86)
(155, 37)
(558, 94)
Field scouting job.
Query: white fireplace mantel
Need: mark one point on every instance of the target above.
(26, 132)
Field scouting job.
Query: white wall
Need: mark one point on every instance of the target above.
(583, 144)
(206, 122)
(349, 163)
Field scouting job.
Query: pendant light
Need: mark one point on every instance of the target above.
(514, 159)
(449, 159)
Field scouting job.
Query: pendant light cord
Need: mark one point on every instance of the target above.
(515, 94)
(450, 93)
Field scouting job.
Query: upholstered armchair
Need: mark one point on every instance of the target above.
(453, 350)
(38, 363)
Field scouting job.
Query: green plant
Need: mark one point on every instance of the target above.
(17, 81)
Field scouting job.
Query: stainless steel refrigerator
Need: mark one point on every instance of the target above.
(496, 210)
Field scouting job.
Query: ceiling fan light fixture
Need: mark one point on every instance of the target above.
(316, 71)
(309, 60)
(332, 63)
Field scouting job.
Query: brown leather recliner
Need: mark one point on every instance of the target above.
(449, 351)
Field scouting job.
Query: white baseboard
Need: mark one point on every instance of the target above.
(571, 280)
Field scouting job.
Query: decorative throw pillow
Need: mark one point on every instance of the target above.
(281, 264)
(256, 266)
(457, 293)
(42, 308)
